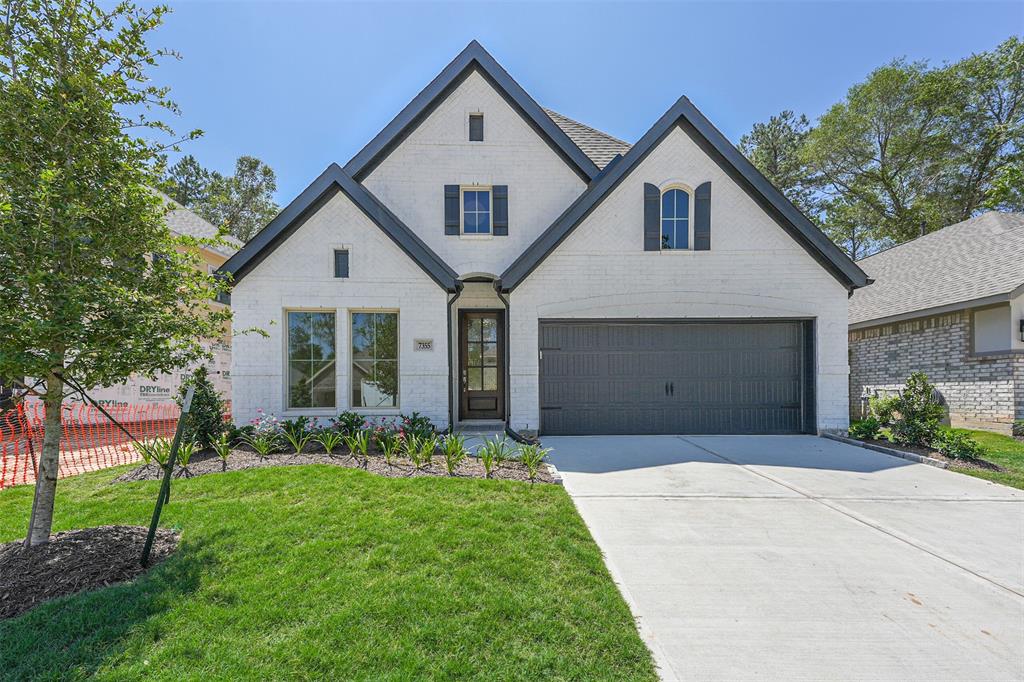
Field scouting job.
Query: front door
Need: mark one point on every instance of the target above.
(481, 365)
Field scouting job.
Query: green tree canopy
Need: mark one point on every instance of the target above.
(93, 286)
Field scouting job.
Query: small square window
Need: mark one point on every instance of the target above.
(476, 127)
(341, 262)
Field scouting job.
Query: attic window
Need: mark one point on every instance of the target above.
(476, 127)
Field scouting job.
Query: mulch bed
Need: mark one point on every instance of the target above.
(75, 561)
(975, 464)
(209, 463)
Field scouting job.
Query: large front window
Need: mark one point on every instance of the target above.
(374, 359)
(675, 219)
(476, 211)
(311, 360)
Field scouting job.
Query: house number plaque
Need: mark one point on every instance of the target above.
(423, 344)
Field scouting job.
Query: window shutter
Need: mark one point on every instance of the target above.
(702, 218)
(499, 197)
(451, 209)
(652, 218)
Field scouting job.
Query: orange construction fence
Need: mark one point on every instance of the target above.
(90, 440)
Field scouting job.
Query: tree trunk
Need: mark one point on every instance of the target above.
(46, 478)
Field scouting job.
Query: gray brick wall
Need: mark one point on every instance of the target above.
(980, 391)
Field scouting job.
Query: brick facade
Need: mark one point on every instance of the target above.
(981, 391)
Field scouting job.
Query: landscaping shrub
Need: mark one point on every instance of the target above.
(263, 443)
(359, 446)
(329, 439)
(205, 421)
(453, 447)
(1018, 428)
(958, 445)
(298, 433)
(417, 425)
(389, 442)
(347, 423)
(912, 416)
(865, 429)
(222, 446)
(186, 448)
(532, 456)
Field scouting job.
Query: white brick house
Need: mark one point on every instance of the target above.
(485, 259)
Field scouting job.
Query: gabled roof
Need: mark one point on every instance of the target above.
(331, 181)
(473, 57)
(184, 221)
(599, 146)
(715, 144)
(974, 262)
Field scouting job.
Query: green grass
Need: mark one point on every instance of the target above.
(318, 572)
(1003, 450)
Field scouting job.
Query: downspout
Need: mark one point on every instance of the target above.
(451, 368)
(512, 433)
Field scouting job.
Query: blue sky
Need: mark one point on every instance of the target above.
(300, 85)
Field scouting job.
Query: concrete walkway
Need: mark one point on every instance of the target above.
(800, 558)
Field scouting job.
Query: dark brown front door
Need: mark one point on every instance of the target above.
(481, 360)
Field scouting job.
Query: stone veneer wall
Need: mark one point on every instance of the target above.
(985, 391)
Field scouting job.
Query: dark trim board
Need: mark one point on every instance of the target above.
(687, 117)
(595, 380)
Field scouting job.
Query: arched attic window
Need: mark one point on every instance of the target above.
(676, 202)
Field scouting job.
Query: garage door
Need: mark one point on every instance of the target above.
(622, 377)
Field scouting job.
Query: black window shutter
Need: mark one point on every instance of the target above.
(451, 209)
(652, 218)
(702, 218)
(499, 197)
(340, 263)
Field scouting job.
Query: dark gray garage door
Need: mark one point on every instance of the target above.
(611, 377)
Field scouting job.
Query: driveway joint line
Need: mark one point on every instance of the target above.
(851, 515)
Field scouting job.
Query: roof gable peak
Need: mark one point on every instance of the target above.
(474, 56)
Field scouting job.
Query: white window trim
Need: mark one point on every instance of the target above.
(675, 184)
(371, 411)
(462, 211)
(287, 410)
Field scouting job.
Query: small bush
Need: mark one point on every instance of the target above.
(222, 446)
(453, 447)
(186, 448)
(865, 429)
(958, 445)
(420, 449)
(205, 420)
(532, 456)
(912, 416)
(348, 423)
(359, 446)
(329, 439)
(160, 451)
(298, 433)
(389, 442)
(263, 443)
(417, 425)
(1018, 428)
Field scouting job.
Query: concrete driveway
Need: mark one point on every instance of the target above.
(801, 558)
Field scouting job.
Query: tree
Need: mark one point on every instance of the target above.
(205, 421)
(242, 203)
(187, 182)
(776, 148)
(93, 286)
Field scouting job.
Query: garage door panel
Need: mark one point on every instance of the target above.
(611, 377)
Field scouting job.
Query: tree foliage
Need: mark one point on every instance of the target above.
(242, 203)
(93, 286)
(910, 148)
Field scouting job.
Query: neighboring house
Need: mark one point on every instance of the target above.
(483, 259)
(950, 304)
(143, 390)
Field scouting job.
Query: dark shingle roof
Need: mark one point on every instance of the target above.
(600, 147)
(976, 259)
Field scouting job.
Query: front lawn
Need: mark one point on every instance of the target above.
(1005, 451)
(319, 572)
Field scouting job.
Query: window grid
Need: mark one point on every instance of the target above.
(476, 211)
(675, 219)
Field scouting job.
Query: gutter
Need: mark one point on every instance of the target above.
(451, 368)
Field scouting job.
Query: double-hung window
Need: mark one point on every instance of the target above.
(374, 359)
(311, 360)
(476, 210)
